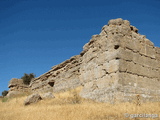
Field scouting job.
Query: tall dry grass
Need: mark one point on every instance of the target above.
(69, 106)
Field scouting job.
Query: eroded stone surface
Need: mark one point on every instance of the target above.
(17, 87)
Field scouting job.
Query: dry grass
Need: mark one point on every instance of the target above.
(69, 106)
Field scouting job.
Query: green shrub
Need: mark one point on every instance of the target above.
(27, 78)
(4, 93)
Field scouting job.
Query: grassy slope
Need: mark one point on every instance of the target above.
(68, 106)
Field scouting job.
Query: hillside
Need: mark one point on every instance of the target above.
(68, 106)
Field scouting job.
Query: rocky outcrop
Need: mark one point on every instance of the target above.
(116, 65)
(17, 87)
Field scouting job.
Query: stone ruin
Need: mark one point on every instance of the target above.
(119, 64)
(17, 87)
(60, 78)
(116, 65)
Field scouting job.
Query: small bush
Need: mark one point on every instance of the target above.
(27, 78)
(5, 99)
(4, 93)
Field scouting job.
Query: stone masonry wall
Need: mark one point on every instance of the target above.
(119, 63)
(116, 65)
(60, 78)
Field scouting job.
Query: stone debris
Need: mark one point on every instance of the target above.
(34, 98)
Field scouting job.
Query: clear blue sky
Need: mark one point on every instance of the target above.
(38, 34)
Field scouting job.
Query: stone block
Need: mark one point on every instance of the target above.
(154, 73)
(123, 65)
(148, 83)
(103, 82)
(99, 72)
(111, 66)
(111, 55)
(157, 49)
(101, 58)
(114, 77)
(125, 54)
(157, 56)
(136, 57)
(132, 68)
(150, 51)
(147, 50)
(128, 80)
(130, 44)
(89, 56)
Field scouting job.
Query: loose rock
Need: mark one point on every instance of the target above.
(34, 98)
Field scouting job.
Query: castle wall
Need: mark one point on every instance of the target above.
(116, 65)
(60, 78)
(139, 68)
(99, 68)
(126, 65)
